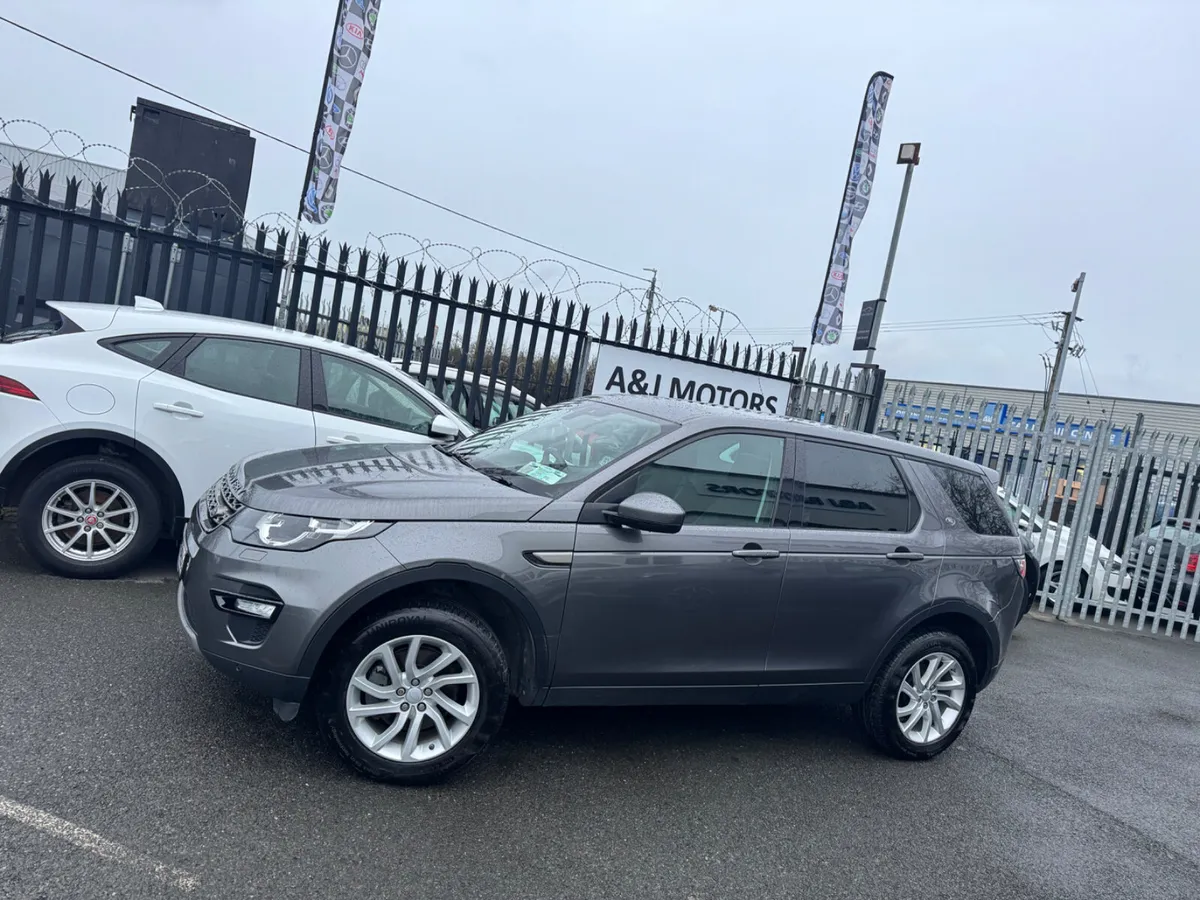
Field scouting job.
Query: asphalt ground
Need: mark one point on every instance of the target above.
(130, 769)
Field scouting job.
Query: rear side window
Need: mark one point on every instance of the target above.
(975, 501)
(855, 490)
(153, 351)
(258, 369)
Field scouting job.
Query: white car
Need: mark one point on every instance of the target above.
(114, 420)
(1052, 544)
(506, 402)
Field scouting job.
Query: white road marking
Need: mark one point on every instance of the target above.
(94, 843)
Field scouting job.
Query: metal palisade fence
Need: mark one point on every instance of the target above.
(431, 322)
(845, 397)
(77, 250)
(1112, 513)
(447, 330)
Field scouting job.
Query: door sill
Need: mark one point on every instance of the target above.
(707, 695)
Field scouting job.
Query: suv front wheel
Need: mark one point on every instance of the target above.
(416, 694)
(90, 517)
(922, 698)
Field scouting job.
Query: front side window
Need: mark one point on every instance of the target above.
(506, 406)
(357, 391)
(256, 369)
(455, 396)
(975, 501)
(722, 479)
(851, 489)
(550, 451)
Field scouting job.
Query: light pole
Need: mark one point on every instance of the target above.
(910, 158)
(720, 321)
(650, 291)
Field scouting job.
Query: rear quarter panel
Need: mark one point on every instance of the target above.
(980, 570)
(82, 384)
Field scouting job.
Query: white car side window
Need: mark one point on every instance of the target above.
(357, 391)
(257, 369)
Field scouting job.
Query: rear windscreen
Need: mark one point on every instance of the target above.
(46, 322)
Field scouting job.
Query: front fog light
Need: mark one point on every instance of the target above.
(246, 606)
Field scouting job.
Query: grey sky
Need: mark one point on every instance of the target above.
(710, 140)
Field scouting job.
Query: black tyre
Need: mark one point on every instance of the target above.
(1050, 579)
(923, 696)
(90, 517)
(439, 704)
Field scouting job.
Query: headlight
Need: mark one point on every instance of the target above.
(281, 532)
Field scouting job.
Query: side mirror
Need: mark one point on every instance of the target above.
(443, 427)
(647, 511)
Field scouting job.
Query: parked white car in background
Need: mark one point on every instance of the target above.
(1052, 543)
(506, 402)
(115, 420)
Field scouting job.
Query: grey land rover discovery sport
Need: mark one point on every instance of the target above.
(603, 551)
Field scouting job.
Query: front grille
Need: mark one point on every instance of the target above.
(220, 501)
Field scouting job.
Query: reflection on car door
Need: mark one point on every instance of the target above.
(859, 559)
(223, 400)
(356, 403)
(676, 616)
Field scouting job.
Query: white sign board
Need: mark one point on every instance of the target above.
(624, 370)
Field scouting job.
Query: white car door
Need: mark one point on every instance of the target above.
(357, 403)
(227, 399)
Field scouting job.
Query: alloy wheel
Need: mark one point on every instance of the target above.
(413, 698)
(90, 520)
(931, 697)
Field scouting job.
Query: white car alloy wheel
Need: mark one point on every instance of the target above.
(90, 520)
(412, 699)
(930, 698)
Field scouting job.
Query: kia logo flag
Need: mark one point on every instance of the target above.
(827, 326)
(353, 35)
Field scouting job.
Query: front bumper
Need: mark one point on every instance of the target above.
(289, 688)
(265, 656)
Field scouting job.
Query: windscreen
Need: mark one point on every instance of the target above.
(551, 450)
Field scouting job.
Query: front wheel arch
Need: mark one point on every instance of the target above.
(502, 606)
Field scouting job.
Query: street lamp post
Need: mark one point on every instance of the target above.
(910, 158)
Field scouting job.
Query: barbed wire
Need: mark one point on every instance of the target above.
(34, 148)
(63, 154)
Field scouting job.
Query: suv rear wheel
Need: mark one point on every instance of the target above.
(922, 698)
(416, 694)
(90, 517)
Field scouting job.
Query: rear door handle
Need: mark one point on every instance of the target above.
(179, 410)
(347, 439)
(756, 554)
(902, 555)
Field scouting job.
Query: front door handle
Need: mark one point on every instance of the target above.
(180, 410)
(345, 439)
(754, 551)
(903, 554)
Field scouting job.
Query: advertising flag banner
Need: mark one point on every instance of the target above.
(827, 326)
(353, 35)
